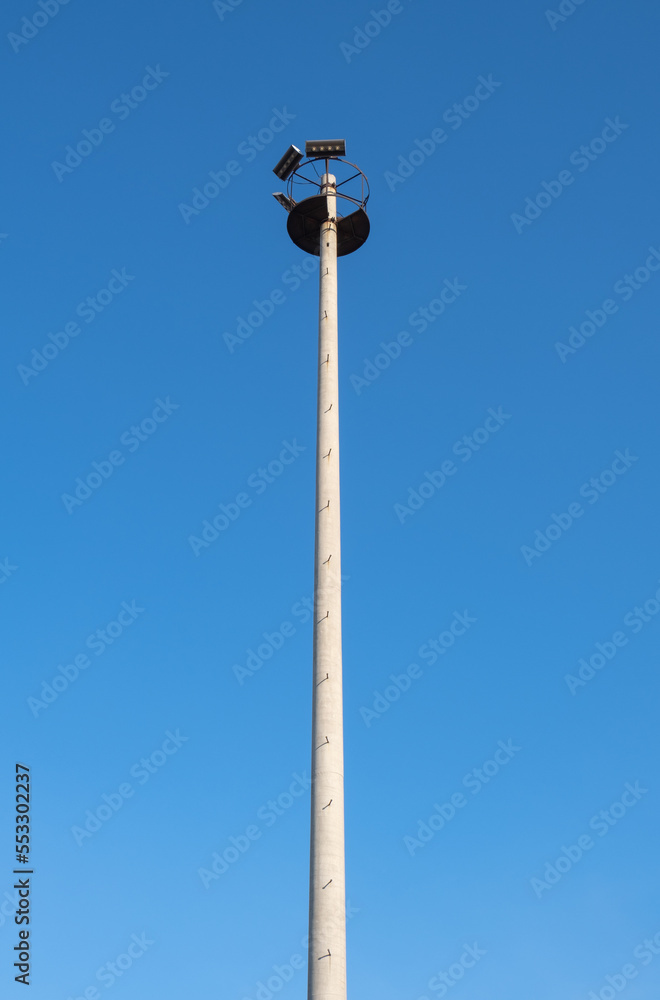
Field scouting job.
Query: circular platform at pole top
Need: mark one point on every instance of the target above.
(307, 216)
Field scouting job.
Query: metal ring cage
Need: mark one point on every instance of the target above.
(308, 214)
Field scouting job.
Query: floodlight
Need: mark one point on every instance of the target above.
(288, 163)
(284, 201)
(326, 147)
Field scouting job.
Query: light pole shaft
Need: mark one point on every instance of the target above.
(327, 897)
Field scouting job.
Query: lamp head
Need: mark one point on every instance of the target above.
(284, 201)
(325, 147)
(285, 167)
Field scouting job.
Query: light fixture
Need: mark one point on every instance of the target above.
(284, 201)
(288, 163)
(325, 147)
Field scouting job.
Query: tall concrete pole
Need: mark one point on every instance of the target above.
(327, 895)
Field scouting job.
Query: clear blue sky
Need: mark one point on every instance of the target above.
(512, 156)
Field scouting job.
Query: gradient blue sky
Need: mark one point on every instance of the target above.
(155, 356)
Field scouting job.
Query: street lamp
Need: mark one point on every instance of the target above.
(329, 223)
